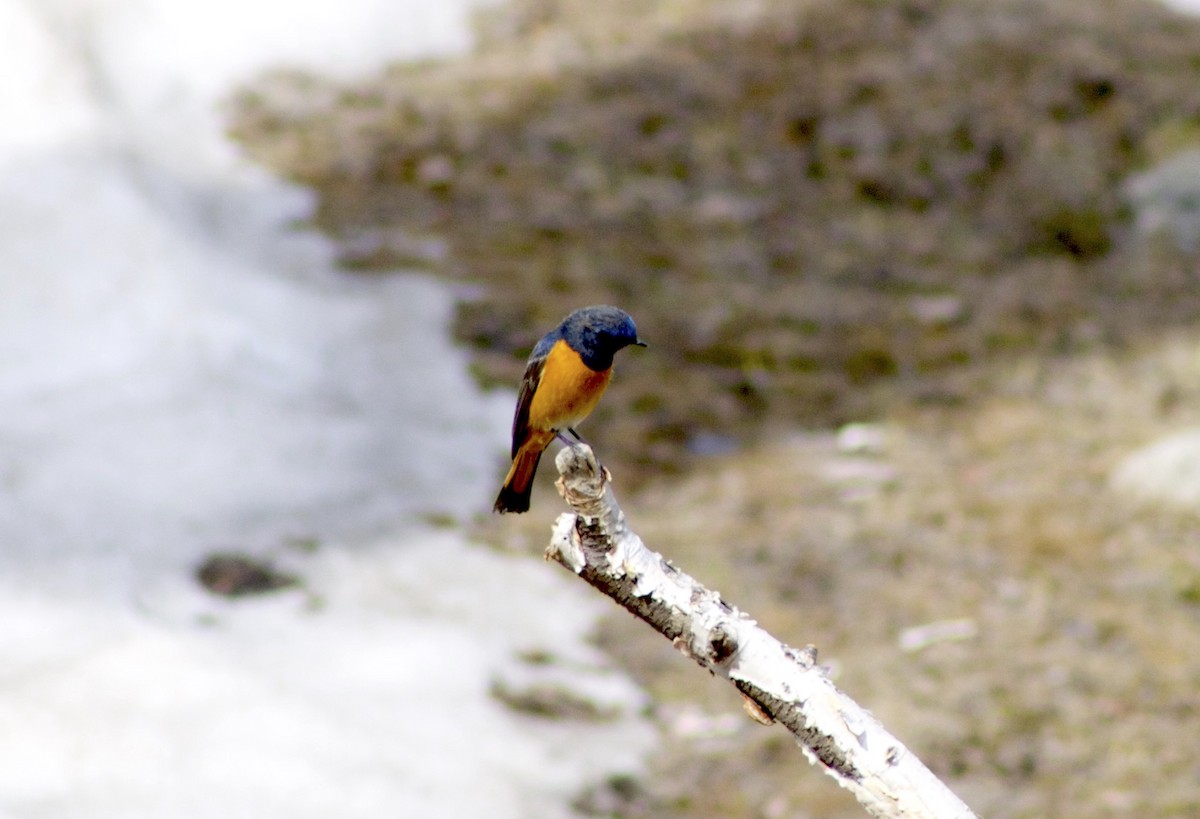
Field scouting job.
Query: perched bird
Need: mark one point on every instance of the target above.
(567, 373)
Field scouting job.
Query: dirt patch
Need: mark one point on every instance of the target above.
(799, 207)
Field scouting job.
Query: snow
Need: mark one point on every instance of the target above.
(184, 372)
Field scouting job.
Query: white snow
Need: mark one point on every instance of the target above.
(183, 372)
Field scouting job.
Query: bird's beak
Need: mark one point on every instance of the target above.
(639, 343)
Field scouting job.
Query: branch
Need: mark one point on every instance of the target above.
(784, 683)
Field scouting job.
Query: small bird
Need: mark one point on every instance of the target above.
(568, 371)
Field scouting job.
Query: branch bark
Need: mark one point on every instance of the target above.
(784, 683)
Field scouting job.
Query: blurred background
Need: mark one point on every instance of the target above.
(920, 280)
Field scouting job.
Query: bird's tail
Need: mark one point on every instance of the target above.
(514, 495)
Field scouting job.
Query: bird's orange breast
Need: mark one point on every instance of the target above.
(568, 390)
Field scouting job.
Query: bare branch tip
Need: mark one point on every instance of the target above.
(582, 480)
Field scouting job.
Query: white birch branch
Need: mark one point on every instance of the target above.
(785, 683)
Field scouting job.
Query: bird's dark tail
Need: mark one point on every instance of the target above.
(514, 495)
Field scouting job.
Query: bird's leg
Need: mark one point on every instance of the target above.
(558, 434)
(578, 440)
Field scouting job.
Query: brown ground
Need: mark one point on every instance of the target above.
(825, 211)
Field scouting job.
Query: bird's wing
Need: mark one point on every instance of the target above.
(529, 385)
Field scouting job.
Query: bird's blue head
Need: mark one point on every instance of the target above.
(598, 332)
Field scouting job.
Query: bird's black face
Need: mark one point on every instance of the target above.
(619, 337)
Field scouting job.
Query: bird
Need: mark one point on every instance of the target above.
(566, 374)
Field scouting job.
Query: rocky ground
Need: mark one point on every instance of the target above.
(924, 214)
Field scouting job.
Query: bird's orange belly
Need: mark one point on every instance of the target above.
(568, 391)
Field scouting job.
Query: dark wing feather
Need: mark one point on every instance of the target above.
(529, 385)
